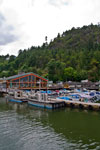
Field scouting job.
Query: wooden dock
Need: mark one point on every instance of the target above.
(55, 103)
(81, 105)
(47, 104)
(37, 100)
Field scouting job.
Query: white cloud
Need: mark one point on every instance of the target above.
(59, 3)
(34, 19)
(6, 32)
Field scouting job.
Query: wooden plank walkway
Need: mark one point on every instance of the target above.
(81, 105)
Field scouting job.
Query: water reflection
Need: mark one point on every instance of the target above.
(23, 127)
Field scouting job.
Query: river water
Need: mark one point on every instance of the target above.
(29, 128)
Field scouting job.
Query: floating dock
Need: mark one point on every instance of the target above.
(37, 100)
(47, 104)
(42, 100)
(81, 105)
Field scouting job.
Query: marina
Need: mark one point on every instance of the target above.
(55, 100)
(37, 100)
(35, 90)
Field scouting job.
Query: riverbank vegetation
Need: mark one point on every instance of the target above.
(73, 55)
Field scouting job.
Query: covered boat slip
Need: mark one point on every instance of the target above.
(26, 81)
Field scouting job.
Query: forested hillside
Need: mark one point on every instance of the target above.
(74, 55)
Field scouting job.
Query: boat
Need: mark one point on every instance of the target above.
(17, 97)
(41, 100)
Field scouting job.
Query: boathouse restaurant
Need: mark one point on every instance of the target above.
(26, 81)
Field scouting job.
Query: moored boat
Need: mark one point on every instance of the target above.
(17, 97)
(41, 100)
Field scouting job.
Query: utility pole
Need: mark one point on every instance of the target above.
(46, 38)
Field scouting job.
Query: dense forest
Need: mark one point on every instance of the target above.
(74, 55)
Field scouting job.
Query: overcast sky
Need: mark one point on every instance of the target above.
(24, 23)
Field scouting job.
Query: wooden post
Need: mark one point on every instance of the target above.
(35, 82)
(42, 84)
(31, 81)
(6, 86)
(28, 81)
(19, 82)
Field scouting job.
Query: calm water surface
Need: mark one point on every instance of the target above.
(28, 128)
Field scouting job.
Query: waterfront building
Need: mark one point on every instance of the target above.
(26, 81)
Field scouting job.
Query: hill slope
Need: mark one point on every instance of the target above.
(74, 55)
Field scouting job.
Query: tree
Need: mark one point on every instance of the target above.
(69, 74)
(94, 72)
(56, 70)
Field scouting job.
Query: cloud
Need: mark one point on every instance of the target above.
(6, 35)
(26, 22)
(1, 1)
(58, 2)
(1, 19)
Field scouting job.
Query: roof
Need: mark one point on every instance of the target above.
(24, 74)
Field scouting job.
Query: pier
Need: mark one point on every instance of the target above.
(81, 105)
(36, 99)
(42, 100)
